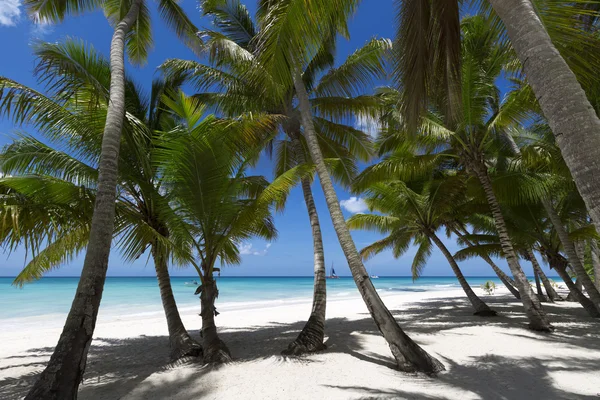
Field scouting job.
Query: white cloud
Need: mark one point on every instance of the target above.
(10, 12)
(354, 205)
(247, 250)
(40, 29)
(368, 125)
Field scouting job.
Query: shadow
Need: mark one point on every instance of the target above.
(119, 367)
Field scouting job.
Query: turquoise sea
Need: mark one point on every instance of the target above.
(138, 295)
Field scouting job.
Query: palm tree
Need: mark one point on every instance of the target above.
(292, 33)
(415, 216)
(547, 38)
(336, 95)
(461, 234)
(143, 219)
(131, 21)
(542, 154)
(472, 140)
(222, 205)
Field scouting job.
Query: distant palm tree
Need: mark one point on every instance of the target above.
(61, 185)
(132, 29)
(335, 95)
(292, 33)
(409, 216)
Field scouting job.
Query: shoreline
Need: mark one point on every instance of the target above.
(486, 358)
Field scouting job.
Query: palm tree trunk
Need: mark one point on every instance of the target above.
(409, 355)
(312, 335)
(215, 350)
(479, 305)
(552, 295)
(571, 253)
(538, 286)
(595, 261)
(563, 101)
(574, 292)
(64, 372)
(181, 343)
(505, 279)
(535, 313)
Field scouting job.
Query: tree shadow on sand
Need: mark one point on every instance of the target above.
(117, 366)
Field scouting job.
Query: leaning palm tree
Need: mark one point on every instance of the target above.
(131, 21)
(472, 140)
(407, 215)
(211, 191)
(144, 218)
(556, 55)
(225, 84)
(292, 32)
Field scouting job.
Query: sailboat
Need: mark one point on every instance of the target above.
(373, 276)
(332, 275)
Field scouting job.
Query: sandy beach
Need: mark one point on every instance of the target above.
(485, 358)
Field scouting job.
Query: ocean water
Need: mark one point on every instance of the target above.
(139, 295)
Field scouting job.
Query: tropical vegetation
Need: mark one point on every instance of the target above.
(486, 118)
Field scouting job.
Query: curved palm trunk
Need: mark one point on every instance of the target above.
(312, 335)
(538, 320)
(537, 268)
(181, 343)
(64, 372)
(538, 286)
(596, 262)
(505, 279)
(572, 256)
(563, 101)
(409, 355)
(215, 350)
(574, 292)
(479, 305)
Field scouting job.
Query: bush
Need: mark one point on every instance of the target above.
(489, 287)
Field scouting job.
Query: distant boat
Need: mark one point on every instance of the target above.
(192, 283)
(333, 275)
(373, 276)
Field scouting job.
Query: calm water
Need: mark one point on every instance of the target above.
(138, 295)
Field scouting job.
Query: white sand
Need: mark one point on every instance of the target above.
(486, 358)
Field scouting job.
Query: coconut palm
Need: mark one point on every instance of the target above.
(415, 216)
(292, 33)
(472, 140)
(221, 203)
(225, 83)
(530, 230)
(132, 29)
(144, 219)
(542, 154)
(554, 51)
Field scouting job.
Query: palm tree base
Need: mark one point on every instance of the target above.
(185, 347)
(543, 298)
(217, 353)
(486, 313)
(310, 340)
(541, 327)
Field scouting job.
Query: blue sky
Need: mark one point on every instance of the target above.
(291, 254)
